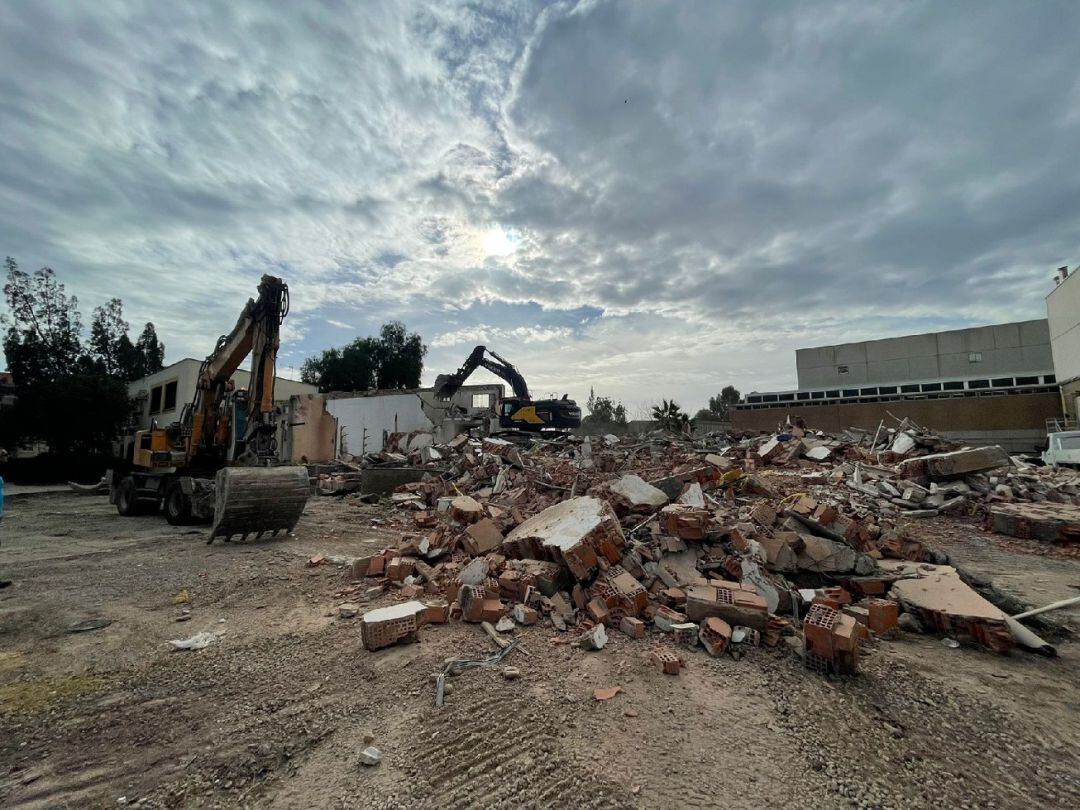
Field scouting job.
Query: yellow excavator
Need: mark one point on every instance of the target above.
(218, 462)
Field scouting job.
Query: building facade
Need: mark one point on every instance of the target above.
(1063, 314)
(159, 397)
(989, 384)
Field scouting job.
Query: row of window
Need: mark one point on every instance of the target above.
(163, 397)
(907, 388)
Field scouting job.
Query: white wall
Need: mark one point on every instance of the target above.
(364, 422)
(1063, 312)
(186, 374)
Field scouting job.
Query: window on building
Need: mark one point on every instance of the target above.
(802, 395)
(841, 369)
(974, 357)
(851, 392)
(887, 389)
(817, 395)
(1049, 379)
(931, 387)
(481, 400)
(787, 398)
(955, 385)
(1027, 380)
(169, 396)
(833, 393)
(978, 384)
(155, 399)
(1002, 382)
(867, 392)
(909, 389)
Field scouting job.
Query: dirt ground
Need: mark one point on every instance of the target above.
(277, 711)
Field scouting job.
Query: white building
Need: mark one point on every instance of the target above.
(341, 424)
(161, 396)
(1063, 313)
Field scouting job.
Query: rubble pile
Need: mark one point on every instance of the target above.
(689, 546)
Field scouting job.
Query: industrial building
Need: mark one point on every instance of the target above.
(1063, 314)
(985, 384)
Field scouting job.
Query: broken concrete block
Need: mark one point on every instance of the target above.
(635, 628)
(523, 614)
(693, 496)
(779, 555)
(466, 510)
(735, 605)
(772, 448)
(823, 555)
(957, 463)
(1051, 522)
(573, 532)
(941, 600)
(638, 495)
(722, 463)
(481, 537)
(685, 522)
(903, 443)
(714, 635)
(437, 611)
(390, 625)
(429, 455)
(594, 639)
(819, 453)
(598, 611)
(665, 619)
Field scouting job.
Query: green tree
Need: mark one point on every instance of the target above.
(42, 340)
(150, 351)
(400, 357)
(671, 417)
(76, 402)
(720, 405)
(604, 414)
(79, 413)
(395, 359)
(111, 350)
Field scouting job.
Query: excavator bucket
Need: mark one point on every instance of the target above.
(253, 500)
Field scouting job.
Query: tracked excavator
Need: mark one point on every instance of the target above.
(519, 413)
(217, 463)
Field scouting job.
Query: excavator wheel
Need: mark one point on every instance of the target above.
(177, 505)
(128, 502)
(253, 500)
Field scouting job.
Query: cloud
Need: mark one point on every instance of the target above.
(694, 189)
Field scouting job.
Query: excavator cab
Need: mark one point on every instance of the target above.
(537, 415)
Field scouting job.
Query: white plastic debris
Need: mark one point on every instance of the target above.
(195, 642)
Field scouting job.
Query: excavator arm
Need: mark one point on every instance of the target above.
(213, 433)
(446, 385)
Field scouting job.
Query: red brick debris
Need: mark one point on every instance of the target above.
(794, 539)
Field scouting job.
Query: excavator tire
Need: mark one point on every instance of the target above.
(177, 505)
(253, 500)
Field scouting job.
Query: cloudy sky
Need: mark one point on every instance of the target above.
(651, 199)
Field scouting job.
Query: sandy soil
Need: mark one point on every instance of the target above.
(277, 711)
